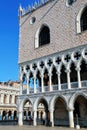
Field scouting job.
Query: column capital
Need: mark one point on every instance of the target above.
(77, 64)
(27, 75)
(67, 70)
(50, 74)
(2, 94)
(20, 111)
(51, 110)
(58, 73)
(78, 68)
(70, 108)
(13, 111)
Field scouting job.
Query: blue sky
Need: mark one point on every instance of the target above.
(9, 32)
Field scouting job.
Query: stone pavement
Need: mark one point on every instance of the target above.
(26, 127)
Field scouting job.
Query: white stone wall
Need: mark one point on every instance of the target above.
(8, 101)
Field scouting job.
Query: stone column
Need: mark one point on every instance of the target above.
(71, 120)
(52, 117)
(78, 76)
(50, 80)
(42, 82)
(21, 88)
(13, 99)
(68, 78)
(12, 115)
(35, 118)
(21, 84)
(20, 117)
(59, 82)
(35, 90)
(2, 98)
(7, 99)
(28, 83)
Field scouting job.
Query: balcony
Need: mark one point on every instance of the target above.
(64, 86)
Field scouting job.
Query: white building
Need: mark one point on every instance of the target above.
(53, 61)
(8, 93)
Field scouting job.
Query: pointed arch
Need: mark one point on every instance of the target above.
(59, 105)
(80, 19)
(54, 76)
(46, 77)
(63, 74)
(23, 102)
(53, 101)
(83, 71)
(42, 36)
(73, 73)
(73, 98)
(38, 100)
(84, 19)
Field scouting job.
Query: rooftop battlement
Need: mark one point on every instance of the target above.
(29, 9)
(36, 5)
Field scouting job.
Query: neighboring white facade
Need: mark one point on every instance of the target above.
(8, 108)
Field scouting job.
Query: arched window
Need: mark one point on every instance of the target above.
(10, 99)
(84, 20)
(70, 2)
(44, 36)
(5, 98)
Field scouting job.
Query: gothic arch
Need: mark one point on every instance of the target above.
(53, 100)
(73, 98)
(38, 33)
(78, 19)
(63, 74)
(73, 72)
(54, 75)
(37, 101)
(24, 101)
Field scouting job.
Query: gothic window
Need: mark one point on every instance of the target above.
(70, 2)
(44, 36)
(84, 20)
(5, 98)
(10, 99)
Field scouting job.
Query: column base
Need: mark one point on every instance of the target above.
(77, 126)
(20, 124)
(72, 126)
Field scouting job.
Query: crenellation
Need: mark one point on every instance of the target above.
(36, 5)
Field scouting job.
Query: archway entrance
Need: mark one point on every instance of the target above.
(80, 111)
(27, 113)
(43, 117)
(4, 115)
(15, 115)
(60, 113)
